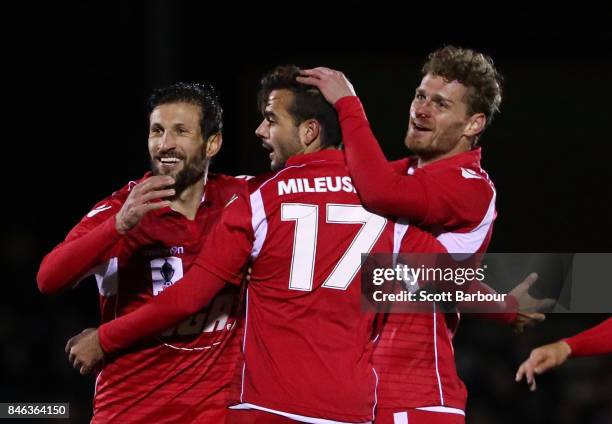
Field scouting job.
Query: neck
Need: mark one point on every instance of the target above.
(189, 200)
(461, 147)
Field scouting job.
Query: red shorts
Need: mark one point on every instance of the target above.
(416, 416)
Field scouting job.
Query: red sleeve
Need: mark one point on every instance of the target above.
(227, 250)
(183, 299)
(377, 181)
(594, 341)
(88, 244)
(400, 166)
(223, 258)
(443, 197)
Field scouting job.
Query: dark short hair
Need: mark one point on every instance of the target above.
(472, 69)
(203, 95)
(308, 102)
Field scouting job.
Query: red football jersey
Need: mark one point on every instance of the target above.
(307, 343)
(414, 356)
(184, 374)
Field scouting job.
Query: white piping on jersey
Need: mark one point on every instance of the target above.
(442, 409)
(107, 277)
(97, 381)
(259, 223)
(191, 349)
(375, 394)
(469, 243)
(246, 327)
(435, 336)
(296, 417)
(399, 231)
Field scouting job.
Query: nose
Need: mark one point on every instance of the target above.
(262, 130)
(167, 142)
(422, 109)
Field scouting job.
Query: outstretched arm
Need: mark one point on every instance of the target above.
(594, 341)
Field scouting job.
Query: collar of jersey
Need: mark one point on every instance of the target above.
(465, 159)
(321, 155)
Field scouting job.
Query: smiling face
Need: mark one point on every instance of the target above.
(439, 123)
(176, 144)
(278, 131)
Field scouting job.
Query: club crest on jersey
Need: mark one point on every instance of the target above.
(165, 272)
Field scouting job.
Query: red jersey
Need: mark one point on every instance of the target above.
(182, 375)
(307, 343)
(451, 198)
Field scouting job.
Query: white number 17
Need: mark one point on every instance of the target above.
(306, 219)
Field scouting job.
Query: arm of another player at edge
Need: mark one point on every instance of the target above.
(192, 293)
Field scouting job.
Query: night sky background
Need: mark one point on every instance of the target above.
(74, 129)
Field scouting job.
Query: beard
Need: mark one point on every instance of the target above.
(192, 172)
(429, 148)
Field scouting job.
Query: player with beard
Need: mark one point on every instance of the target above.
(443, 190)
(302, 230)
(141, 240)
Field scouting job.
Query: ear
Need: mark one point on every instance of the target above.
(475, 125)
(213, 145)
(310, 131)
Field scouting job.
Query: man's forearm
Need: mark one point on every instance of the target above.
(72, 260)
(186, 297)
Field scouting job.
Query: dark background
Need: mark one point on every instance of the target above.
(76, 78)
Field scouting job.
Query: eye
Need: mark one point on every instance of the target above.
(155, 130)
(419, 96)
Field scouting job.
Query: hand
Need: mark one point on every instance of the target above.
(525, 320)
(84, 350)
(139, 202)
(541, 360)
(528, 303)
(332, 84)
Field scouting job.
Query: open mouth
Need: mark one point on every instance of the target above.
(169, 162)
(420, 127)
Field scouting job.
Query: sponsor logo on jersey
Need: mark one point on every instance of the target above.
(161, 252)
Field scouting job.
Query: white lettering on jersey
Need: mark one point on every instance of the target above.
(315, 185)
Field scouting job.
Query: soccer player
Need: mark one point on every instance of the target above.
(302, 230)
(137, 246)
(443, 190)
(594, 341)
